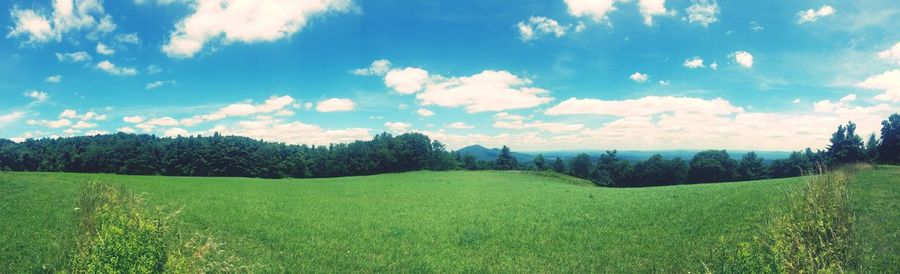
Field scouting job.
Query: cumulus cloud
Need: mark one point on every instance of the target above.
(639, 77)
(150, 124)
(53, 79)
(73, 57)
(703, 12)
(133, 119)
(811, 15)
(111, 68)
(67, 16)
(596, 10)
(407, 80)
(156, 84)
(37, 95)
(51, 123)
(247, 21)
(125, 130)
(293, 132)
(693, 63)
(175, 132)
(336, 105)
(849, 98)
(645, 106)
(272, 105)
(459, 125)
(378, 67)
(397, 127)
(509, 121)
(538, 26)
(424, 112)
(743, 58)
(129, 38)
(650, 8)
(486, 91)
(104, 49)
(10, 118)
(889, 82)
(892, 54)
(714, 66)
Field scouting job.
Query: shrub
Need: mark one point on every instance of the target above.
(118, 234)
(812, 234)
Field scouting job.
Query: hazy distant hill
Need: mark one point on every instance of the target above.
(490, 154)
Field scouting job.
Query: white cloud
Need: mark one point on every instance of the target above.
(510, 121)
(335, 105)
(811, 15)
(149, 125)
(83, 125)
(67, 16)
(73, 57)
(755, 27)
(125, 130)
(131, 38)
(597, 10)
(644, 106)
(95, 132)
(175, 132)
(703, 12)
(104, 50)
(111, 68)
(247, 21)
(133, 119)
(153, 69)
(849, 98)
(714, 66)
(397, 127)
(53, 79)
(650, 8)
(580, 27)
(272, 105)
(51, 123)
(665, 82)
(743, 58)
(486, 91)
(407, 80)
(378, 67)
(68, 113)
(37, 95)
(693, 63)
(10, 118)
(892, 54)
(538, 26)
(639, 77)
(294, 132)
(459, 125)
(889, 81)
(156, 84)
(796, 101)
(424, 112)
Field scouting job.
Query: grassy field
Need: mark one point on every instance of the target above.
(443, 221)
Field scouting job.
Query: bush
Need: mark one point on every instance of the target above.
(118, 234)
(813, 234)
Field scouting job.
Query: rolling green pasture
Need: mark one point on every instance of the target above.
(458, 221)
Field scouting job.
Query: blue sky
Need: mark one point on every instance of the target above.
(535, 75)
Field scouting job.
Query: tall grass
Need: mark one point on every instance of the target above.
(811, 233)
(119, 233)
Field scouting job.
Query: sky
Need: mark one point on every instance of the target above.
(535, 75)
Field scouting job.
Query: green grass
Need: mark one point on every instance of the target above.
(441, 221)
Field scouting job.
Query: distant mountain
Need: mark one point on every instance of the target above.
(490, 154)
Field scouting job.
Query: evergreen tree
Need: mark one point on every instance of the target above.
(505, 161)
(889, 149)
(872, 148)
(612, 171)
(751, 167)
(559, 165)
(539, 163)
(846, 146)
(581, 166)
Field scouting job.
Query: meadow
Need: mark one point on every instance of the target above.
(455, 221)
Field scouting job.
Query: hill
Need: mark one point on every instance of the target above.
(489, 154)
(485, 221)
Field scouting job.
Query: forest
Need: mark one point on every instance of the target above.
(227, 156)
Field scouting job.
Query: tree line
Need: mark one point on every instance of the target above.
(717, 166)
(217, 155)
